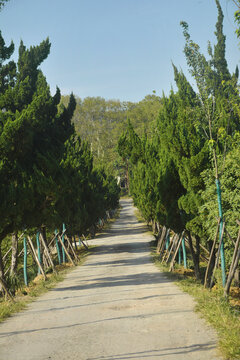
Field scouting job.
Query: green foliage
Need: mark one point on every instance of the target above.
(196, 137)
(46, 171)
(230, 186)
(2, 3)
(100, 121)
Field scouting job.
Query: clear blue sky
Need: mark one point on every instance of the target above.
(116, 49)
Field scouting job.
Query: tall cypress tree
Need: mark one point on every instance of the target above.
(31, 143)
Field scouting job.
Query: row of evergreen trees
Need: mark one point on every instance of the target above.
(196, 143)
(46, 171)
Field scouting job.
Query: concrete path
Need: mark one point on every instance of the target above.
(116, 306)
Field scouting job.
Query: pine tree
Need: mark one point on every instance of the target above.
(31, 143)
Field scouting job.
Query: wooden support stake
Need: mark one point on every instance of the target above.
(218, 255)
(65, 249)
(163, 242)
(174, 240)
(86, 247)
(230, 236)
(6, 254)
(160, 240)
(35, 256)
(211, 256)
(47, 252)
(75, 243)
(166, 254)
(179, 243)
(72, 249)
(234, 265)
(2, 282)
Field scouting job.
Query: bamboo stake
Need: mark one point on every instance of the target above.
(175, 238)
(230, 236)
(86, 247)
(65, 249)
(176, 251)
(35, 256)
(166, 254)
(161, 239)
(56, 235)
(211, 254)
(47, 252)
(218, 254)
(71, 247)
(234, 264)
(6, 254)
(2, 282)
(75, 243)
(163, 242)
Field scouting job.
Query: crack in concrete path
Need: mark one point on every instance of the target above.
(116, 306)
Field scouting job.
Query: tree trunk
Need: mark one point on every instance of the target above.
(237, 278)
(195, 256)
(13, 270)
(1, 269)
(127, 177)
(44, 235)
(211, 264)
(198, 253)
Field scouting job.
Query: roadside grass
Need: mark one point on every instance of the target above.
(212, 306)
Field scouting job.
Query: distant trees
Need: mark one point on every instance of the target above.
(100, 122)
(2, 3)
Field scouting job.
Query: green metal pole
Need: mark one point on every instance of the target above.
(179, 255)
(57, 247)
(39, 251)
(167, 242)
(25, 262)
(223, 266)
(184, 253)
(63, 252)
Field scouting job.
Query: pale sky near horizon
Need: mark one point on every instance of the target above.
(116, 49)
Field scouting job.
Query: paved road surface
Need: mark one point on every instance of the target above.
(116, 306)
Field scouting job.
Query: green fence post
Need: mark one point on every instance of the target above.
(25, 262)
(184, 253)
(57, 247)
(179, 255)
(63, 251)
(223, 267)
(79, 240)
(167, 242)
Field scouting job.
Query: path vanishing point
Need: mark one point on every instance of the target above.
(118, 305)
